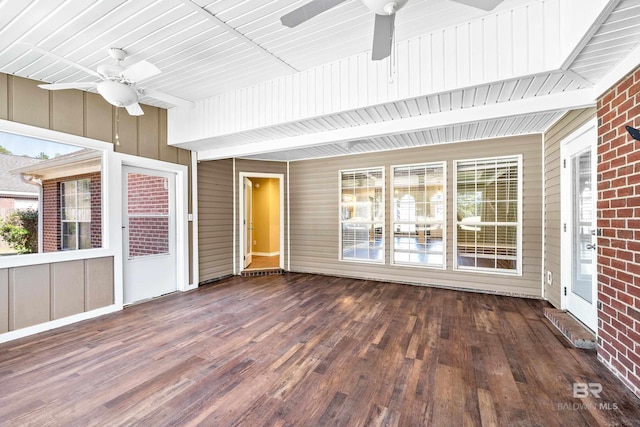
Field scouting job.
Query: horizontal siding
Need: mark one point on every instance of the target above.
(552, 203)
(215, 212)
(315, 228)
(215, 219)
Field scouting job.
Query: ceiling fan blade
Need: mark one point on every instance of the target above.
(382, 36)
(74, 85)
(480, 4)
(140, 71)
(134, 109)
(63, 59)
(179, 102)
(308, 11)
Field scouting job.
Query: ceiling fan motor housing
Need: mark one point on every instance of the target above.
(384, 7)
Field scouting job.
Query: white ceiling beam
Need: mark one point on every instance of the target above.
(541, 104)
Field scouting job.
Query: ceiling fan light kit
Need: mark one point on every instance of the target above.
(116, 93)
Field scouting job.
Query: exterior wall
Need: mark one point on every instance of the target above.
(215, 212)
(36, 294)
(314, 224)
(51, 227)
(215, 219)
(552, 216)
(619, 243)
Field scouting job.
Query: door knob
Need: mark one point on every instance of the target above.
(591, 246)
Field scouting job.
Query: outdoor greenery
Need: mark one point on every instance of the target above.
(20, 230)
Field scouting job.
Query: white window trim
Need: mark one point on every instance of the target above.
(392, 222)
(483, 270)
(384, 217)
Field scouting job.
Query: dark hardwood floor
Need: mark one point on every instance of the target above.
(307, 350)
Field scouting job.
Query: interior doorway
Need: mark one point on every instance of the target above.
(261, 221)
(579, 232)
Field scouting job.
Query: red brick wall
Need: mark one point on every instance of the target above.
(148, 200)
(51, 227)
(619, 221)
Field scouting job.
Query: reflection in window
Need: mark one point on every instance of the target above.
(419, 213)
(61, 183)
(487, 206)
(362, 214)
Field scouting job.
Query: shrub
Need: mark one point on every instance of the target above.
(20, 230)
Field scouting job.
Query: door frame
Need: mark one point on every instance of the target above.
(181, 212)
(241, 241)
(588, 130)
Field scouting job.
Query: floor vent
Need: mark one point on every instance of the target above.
(574, 331)
(265, 272)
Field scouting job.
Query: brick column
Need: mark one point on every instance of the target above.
(619, 220)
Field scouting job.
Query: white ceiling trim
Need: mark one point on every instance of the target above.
(549, 103)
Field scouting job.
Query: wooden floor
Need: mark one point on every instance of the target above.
(306, 350)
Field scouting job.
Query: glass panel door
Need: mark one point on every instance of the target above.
(582, 248)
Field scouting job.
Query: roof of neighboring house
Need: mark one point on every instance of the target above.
(10, 183)
(72, 164)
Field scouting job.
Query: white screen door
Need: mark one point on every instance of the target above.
(579, 237)
(248, 222)
(149, 233)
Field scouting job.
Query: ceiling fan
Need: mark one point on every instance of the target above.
(118, 84)
(385, 12)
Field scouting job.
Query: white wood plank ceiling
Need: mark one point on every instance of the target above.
(213, 52)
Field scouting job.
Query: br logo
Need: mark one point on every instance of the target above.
(582, 390)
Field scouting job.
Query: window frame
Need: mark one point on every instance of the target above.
(486, 270)
(372, 223)
(443, 266)
(76, 221)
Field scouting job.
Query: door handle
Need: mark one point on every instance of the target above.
(591, 246)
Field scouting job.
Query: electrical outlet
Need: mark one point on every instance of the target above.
(255, 242)
(549, 277)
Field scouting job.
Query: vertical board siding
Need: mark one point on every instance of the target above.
(314, 189)
(36, 294)
(87, 114)
(215, 219)
(552, 198)
(499, 46)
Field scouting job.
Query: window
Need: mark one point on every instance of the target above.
(488, 214)
(362, 215)
(75, 213)
(418, 215)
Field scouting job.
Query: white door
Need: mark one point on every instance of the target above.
(579, 232)
(149, 233)
(248, 223)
